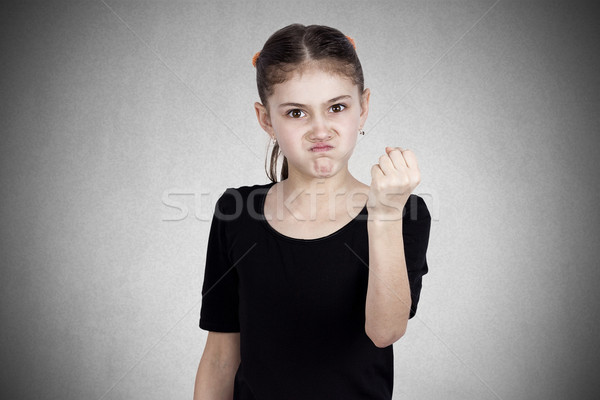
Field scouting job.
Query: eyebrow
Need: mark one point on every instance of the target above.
(304, 106)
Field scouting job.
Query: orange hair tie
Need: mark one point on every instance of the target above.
(351, 41)
(255, 58)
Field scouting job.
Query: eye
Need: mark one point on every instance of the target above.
(336, 108)
(296, 113)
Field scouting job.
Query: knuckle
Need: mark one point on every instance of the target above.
(397, 181)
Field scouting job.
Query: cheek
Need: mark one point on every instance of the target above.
(288, 135)
(351, 129)
(351, 140)
(284, 128)
(287, 145)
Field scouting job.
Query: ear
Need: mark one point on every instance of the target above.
(364, 106)
(262, 114)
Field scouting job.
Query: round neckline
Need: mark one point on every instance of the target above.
(270, 228)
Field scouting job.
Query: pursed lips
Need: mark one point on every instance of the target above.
(321, 147)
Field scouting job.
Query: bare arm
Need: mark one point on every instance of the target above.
(218, 365)
(388, 302)
(388, 294)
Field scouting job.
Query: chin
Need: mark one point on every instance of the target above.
(325, 171)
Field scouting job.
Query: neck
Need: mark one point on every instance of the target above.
(305, 191)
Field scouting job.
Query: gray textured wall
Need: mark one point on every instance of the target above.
(112, 110)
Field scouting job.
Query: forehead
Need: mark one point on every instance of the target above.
(312, 86)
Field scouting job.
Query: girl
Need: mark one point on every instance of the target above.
(309, 280)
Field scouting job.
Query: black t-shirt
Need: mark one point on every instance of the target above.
(299, 304)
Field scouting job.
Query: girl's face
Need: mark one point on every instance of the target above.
(315, 117)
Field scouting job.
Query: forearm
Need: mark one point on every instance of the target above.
(214, 382)
(388, 294)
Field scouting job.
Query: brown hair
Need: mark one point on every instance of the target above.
(294, 47)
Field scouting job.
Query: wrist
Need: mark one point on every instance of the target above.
(384, 218)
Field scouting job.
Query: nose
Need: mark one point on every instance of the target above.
(320, 130)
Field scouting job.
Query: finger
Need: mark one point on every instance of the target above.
(376, 172)
(386, 164)
(410, 159)
(396, 155)
(389, 148)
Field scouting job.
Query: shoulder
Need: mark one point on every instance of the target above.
(234, 199)
(251, 191)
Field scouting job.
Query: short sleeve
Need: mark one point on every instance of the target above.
(416, 227)
(219, 309)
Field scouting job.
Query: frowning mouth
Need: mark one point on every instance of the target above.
(321, 147)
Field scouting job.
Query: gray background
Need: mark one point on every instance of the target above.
(122, 123)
